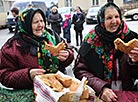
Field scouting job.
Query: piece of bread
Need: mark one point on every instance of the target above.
(55, 49)
(56, 81)
(51, 81)
(66, 82)
(67, 97)
(84, 100)
(73, 87)
(125, 47)
(85, 94)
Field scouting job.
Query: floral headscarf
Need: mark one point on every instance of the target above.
(100, 16)
(46, 60)
(102, 41)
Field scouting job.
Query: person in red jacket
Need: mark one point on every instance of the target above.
(107, 69)
(24, 55)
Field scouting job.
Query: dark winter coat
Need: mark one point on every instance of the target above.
(88, 64)
(55, 19)
(100, 62)
(78, 19)
(15, 62)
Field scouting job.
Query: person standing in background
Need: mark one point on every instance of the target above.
(55, 20)
(66, 29)
(47, 14)
(15, 13)
(78, 19)
(30, 6)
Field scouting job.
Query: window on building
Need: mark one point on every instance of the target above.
(95, 2)
(68, 3)
(1, 6)
(110, 0)
(136, 0)
(128, 1)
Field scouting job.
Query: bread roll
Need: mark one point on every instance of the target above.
(51, 81)
(66, 82)
(85, 94)
(125, 47)
(55, 49)
(73, 87)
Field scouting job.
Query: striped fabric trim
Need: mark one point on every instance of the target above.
(43, 91)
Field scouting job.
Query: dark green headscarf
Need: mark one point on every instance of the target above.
(25, 20)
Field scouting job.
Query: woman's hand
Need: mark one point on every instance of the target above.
(34, 72)
(63, 55)
(108, 95)
(133, 54)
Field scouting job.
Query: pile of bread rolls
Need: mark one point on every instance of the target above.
(57, 83)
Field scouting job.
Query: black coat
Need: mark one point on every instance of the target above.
(78, 20)
(55, 19)
(89, 65)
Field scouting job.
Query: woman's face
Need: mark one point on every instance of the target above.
(54, 10)
(112, 19)
(38, 24)
(77, 10)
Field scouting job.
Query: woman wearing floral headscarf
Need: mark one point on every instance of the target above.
(106, 68)
(24, 55)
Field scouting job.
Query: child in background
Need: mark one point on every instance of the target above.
(66, 29)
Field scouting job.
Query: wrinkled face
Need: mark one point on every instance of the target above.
(38, 24)
(112, 19)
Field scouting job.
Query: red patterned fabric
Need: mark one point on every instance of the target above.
(127, 96)
(14, 66)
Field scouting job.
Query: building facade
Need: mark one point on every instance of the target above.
(85, 4)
